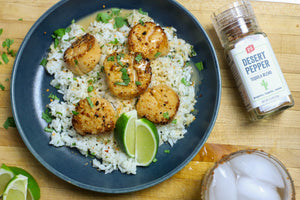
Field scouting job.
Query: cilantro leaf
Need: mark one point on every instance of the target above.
(116, 41)
(60, 32)
(157, 54)
(10, 122)
(139, 57)
(116, 11)
(1, 31)
(53, 96)
(120, 22)
(49, 130)
(103, 17)
(142, 12)
(75, 112)
(166, 115)
(90, 88)
(111, 58)
(4, 58)
(47, 116)
(199, 66)
(185, 82)
(90, 102)
(44, 62)
(2, 87)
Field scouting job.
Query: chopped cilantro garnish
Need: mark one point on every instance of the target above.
(111, 58)
(174, 121)
(2, 87)
(53, 96)
(124, 77)
(6, 79)
(185, 82)
(187, 64)
(59, 113)
(4, 58)
(73, 21)
(193, 52)
(47, 116)
(74, 143)
(103, 17)
(57, 86)
(138, 83)
(10, 122)
(44, 62)
(68, 30)
(90, 88)
(167, 151)
(141, 22)
(90, 102)
(49, 130)
(7, 43)
(20, 19)
(120, 22)
(76, 62)
(139, 57)
(1, 31)
(199, 66)
(157, 54)
(60, 32)
(102, 70)
(154, 160)
(142, 12)
(116, 11)
(75, 112)
(11, 52)
(56, 41)
(166, 115)
(116, 41)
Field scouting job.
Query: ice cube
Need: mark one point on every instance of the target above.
(224, 183)
(257, 167)
(252, 189)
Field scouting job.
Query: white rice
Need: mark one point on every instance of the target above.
(167, 70)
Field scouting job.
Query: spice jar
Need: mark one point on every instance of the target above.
(253, 63)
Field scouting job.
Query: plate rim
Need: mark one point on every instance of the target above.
(102, 189)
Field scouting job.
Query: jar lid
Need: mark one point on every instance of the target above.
(237, 16)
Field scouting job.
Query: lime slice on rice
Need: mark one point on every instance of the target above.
(33, 189)
(147, 141)
(125, 132)
(16, 189)
(5, 176)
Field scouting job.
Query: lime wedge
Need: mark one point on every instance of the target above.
(33, 189)
(5, 176)
(147, 141)
(125, 132)
(16, 189)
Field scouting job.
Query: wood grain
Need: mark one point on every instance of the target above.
(278, 135)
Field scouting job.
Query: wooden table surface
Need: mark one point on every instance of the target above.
(279, 135)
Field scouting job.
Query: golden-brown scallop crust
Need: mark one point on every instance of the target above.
(98, 119)
(148, 39)
(83, 55)
(138, 71)
(158, 104)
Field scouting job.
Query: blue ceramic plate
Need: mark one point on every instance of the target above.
(29, 97)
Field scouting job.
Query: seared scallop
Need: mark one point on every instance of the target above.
(94, 116)
(127, 75)
(158, 104)
(83, 55)
(148, 39)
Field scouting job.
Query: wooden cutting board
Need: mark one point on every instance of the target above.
(279, 135)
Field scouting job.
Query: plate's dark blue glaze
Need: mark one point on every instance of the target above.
(29, 97)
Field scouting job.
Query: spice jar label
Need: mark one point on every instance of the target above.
(257, 71)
